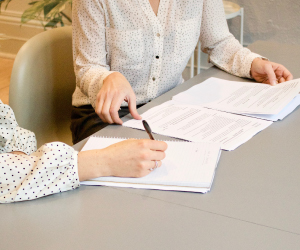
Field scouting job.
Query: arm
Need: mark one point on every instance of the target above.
(89, 47)
(51, 169)
(26, 174)
(228, 54)
(56, 167)
(105, 89)
(129, 158)
(223, 49)
(13, 137)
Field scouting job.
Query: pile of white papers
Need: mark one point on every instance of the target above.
(221, 111)
(249, 98)
(187, 167)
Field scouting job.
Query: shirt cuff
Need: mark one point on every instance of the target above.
(76, 176)
(22, 140)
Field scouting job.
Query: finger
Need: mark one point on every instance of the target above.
(278, 72)
(105, 110)
(132, 107)
(156, 155)
(159, 163)
(114, 108)
(99, 105)
(271, 74)
(155, 164)
(287, 75)
(281, 80)
(155, 145)
(289, 78)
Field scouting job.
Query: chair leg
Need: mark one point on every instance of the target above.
(192, 66)
(242, 27)
(199, 58)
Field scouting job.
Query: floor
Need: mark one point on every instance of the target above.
(5, 72)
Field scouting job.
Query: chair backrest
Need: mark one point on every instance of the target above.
(42, 83)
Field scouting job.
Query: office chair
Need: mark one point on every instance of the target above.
(42, 83)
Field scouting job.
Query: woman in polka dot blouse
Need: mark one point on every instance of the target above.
(27, 173)
(130, 52)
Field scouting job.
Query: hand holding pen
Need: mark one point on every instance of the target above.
(148, 129)
(149, 132)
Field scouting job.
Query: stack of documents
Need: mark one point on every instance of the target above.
(187, 167)
(224, 112)
(248, 98)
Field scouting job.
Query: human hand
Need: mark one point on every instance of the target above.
(114, 91)
(269, 72)
(129, 158)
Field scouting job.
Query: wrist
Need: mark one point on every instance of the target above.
(112, 76)
(254, 62)
(91, 164)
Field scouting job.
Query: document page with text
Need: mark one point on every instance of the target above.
(197, 124)
(282, 114)
(240, 97)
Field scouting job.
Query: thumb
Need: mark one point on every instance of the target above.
(132, 107)
(271, 74)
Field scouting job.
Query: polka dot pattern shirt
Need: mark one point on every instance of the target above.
(150, 51)
(50, 169)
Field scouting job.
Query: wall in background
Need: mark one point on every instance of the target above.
(276, 20)
(10, 27)
(16, 34)
(18, 5)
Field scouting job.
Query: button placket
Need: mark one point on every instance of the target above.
(153, 85)
(157, 28)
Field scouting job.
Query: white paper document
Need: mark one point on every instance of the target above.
(241, 97)
(198, 124)
(282, 114)
(187, 167)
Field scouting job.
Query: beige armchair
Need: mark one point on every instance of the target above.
(42, 83)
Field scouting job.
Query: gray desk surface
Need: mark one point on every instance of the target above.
(254, 202)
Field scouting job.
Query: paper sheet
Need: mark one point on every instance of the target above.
(240, 97)
(194, 123)
(282, 114)
(187, 167)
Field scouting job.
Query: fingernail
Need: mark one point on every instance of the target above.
(274, 82)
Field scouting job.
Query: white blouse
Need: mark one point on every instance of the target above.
(50, 169)
(150, 51)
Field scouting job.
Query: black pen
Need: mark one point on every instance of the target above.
(148, 129)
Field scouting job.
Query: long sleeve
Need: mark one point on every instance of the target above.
(89, 50)
(51, 169)
(224, 50)
(150, 50)
(13, 137)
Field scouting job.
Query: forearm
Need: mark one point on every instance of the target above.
(231, 57)
(224, 50)
(92, 164)
(52, 169)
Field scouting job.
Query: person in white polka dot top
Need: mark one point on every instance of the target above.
(27, 173)
(130, 52)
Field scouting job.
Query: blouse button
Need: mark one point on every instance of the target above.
(157, 57)
(153, 78)
(158, 35)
